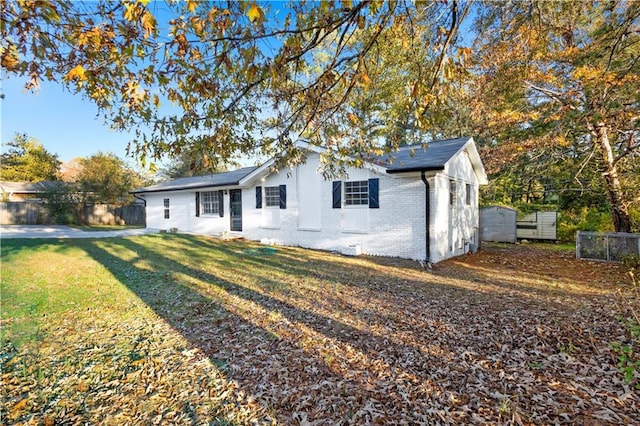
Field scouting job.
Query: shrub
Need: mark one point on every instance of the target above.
(585, 219)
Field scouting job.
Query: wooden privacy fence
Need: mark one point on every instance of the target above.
(609, 247)
(108, 214)
(23, 213)
(32, 213)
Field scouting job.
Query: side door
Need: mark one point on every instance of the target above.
(235, 209)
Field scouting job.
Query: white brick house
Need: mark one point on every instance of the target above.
(379, 209)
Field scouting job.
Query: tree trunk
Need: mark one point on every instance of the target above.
(621, 220)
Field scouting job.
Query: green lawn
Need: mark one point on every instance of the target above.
(176, 329)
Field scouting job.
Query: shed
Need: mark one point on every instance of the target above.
(498, 224)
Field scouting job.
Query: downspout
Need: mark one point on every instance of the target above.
(141, 199)
(427, 220)
(145, 207)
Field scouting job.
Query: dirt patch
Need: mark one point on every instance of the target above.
(545, 262)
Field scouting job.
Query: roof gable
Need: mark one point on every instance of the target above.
(430, 156)
(433, 156)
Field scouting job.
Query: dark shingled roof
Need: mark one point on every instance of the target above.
(433, 157)
(220, 179)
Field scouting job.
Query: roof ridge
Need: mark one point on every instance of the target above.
(219, 173)
(419, 144)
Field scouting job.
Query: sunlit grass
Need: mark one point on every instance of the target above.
(74, 328)
(42, 280)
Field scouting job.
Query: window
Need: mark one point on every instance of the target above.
(166, 208)
(452, 192)
(258, 197)
(356, 193)
(210, 202)
(272, 196)
(467, 198)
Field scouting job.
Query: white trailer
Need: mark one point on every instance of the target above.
(538, 226)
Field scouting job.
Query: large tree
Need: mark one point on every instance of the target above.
(105, 178)
(229, 77)
(399, 97)
(560, 86)
(189, 163)
(26, 160)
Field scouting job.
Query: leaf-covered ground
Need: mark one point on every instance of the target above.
(175, 329)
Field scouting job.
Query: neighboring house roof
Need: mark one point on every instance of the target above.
(432, 156)
(219, 179)
(30, 187)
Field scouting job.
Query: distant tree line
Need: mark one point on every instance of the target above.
(100, 178)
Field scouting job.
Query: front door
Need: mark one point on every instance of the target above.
(235, 206)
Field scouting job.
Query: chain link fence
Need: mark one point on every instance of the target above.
(609, 247)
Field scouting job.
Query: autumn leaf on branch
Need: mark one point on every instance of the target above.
(242, 77)
(255, 13)
(76, 74)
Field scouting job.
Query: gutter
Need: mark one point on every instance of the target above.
(185, 188)
(140, 198)
(415, 169)
(427, 220)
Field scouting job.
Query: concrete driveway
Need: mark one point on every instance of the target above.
(61, 231)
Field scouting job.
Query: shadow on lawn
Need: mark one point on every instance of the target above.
(254, 316)
(13, 247)
(365, 272)
(217, 327)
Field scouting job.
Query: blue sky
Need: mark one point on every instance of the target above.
(65, 123)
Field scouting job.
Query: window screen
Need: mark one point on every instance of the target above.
(356, 193)
(209, 201)
(272, 196)
(452, 192)
(166, 208)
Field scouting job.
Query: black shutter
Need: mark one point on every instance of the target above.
(197, 204)
(337, 194)
(283, 196)
(258, 197)
(374, 201)
(221, 203)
